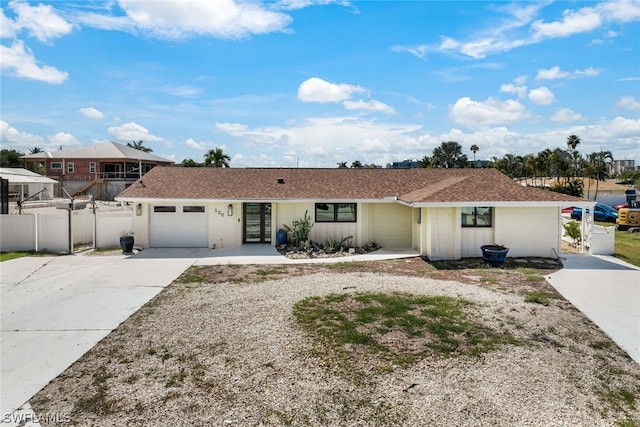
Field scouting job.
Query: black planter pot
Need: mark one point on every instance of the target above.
(126, 243)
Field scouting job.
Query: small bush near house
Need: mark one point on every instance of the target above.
(572, 230)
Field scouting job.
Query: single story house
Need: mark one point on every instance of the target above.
(102, 170)
(24, 184)
(445, 214)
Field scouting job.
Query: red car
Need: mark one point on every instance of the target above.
(620, 205)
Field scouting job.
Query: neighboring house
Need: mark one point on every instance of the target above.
(24, 184)
(102, 170)
(442, 213)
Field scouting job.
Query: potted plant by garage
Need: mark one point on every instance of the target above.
(126, 242)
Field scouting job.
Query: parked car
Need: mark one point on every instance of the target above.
(601, 213)
(620, 205)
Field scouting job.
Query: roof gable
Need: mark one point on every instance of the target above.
(413, 186)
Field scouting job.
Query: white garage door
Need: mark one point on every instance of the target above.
(179, 226)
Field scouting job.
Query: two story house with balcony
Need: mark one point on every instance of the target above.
(102, 170)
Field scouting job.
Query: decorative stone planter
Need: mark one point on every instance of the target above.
(495, 255)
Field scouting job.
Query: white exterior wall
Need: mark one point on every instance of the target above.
(473, 238)
(225, 231)
(392, 225)
(528, 231)
(442, 238)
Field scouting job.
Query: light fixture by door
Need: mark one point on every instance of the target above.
(230, 210)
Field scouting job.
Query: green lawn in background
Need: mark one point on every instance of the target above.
(627, 247)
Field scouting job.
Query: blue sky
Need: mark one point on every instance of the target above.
(317, 82)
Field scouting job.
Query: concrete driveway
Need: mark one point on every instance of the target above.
(607, 291)
(54, 309)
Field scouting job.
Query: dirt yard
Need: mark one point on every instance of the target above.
(222, 346)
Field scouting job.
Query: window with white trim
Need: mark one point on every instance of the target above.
(70, 167)
(56, 165)
(92, 167)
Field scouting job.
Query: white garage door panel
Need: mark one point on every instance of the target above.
(179, 229)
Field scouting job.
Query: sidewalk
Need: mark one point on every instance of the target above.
(607, 291)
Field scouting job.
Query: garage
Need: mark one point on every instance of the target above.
(179, 226)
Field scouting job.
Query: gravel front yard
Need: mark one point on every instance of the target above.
(221, 346)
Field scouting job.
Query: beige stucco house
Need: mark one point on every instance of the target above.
(444, 214)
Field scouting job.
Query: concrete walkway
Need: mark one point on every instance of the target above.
(607, 291)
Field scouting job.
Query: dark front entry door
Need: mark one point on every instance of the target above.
(256, 223)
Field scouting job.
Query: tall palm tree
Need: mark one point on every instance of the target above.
(35, 150)
(139, 145)
(475, 149)
(449, 155)
(216, 158)
(572, 142)
(342, 165)
(598, 167)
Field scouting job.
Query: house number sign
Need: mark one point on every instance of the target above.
(219, 212)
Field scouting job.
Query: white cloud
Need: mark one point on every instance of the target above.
(232, 128)
(92, 113)
(551, 74)
(18, 61)
(178, 19)
(490, 112)
(518, 28)
(375, 106)
(628, 103)
(580, 21)
(64, 139)
(41, 21)
(200, 146)
(315, 89)
(12, 138)
(520, 90)
(555, 73)
(541, 95)
(566, 115)
(134, 132)
(7, 26)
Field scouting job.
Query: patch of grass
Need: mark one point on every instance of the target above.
(270, 272)
(97, 402)
(191, 275)
(537, 297)
(344, 265)
(396, 328)
(627, 247)
(176, 380)
(6, 256)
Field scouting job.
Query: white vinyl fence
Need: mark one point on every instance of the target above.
(49, 232)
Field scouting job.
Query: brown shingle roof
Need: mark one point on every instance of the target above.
(409, 185)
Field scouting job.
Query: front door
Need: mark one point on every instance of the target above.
(256, 223)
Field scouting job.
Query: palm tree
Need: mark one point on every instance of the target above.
(139, 145)
(598, 167)
(216, 158)
(356, 164)
(424, 162)
(449, 155)
(35, 150)
(475, 149)
(572, 142)
(342, 165)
